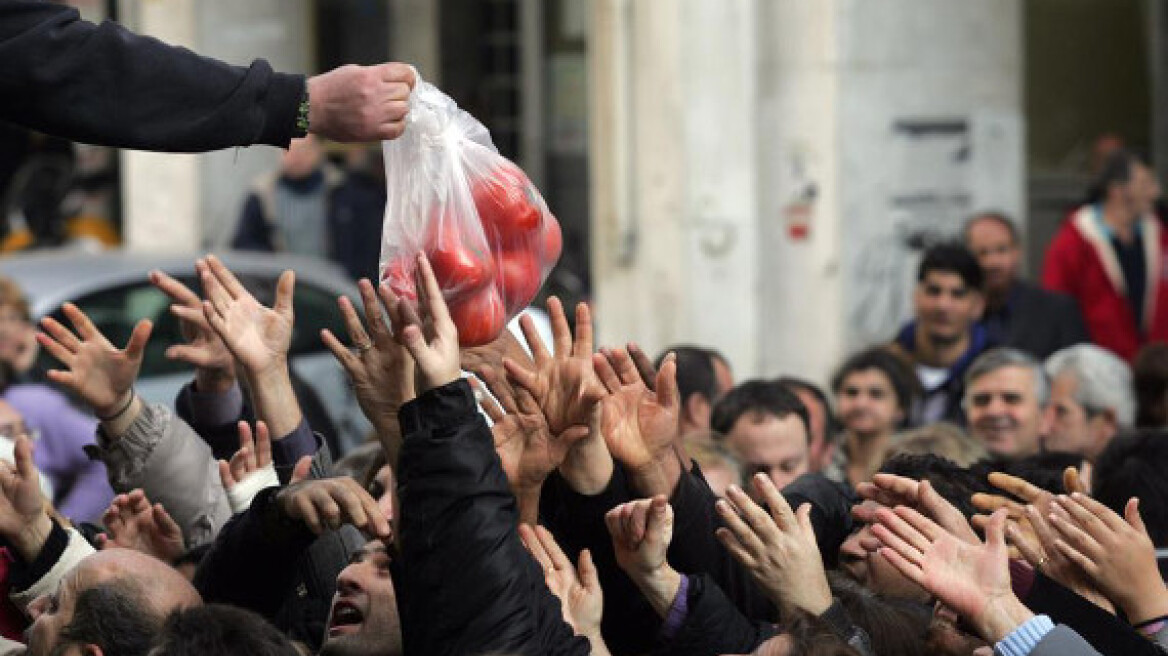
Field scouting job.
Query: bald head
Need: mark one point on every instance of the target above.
(168, 590)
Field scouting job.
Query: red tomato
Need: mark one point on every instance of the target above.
(479, 318)
(458, 267)
(400, 276)
(519, 278)
(553, 241)
(507, 206)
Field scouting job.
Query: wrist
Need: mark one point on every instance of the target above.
(659, 586)
(1000, 617)
(588, 466)
(118, 406)
(1147, 606)
(659, 476)
(31, 540)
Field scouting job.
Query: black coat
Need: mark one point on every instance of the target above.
(1037, 321)
(102, 84)
(468, 585)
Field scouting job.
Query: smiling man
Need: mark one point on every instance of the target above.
(945, 336)
(1006, 391)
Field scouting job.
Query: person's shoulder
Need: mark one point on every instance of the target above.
(1031, 295)
(34, 392)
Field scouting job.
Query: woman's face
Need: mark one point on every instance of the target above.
(867, 403)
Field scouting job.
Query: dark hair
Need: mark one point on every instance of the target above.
(905, 383)
(952, 481)
(219, 629)
(1133, 465)
(1044, 470)
(831, 423)
(767, 397)
(695, 370)
(895, 626)
(1150, 376)
(114, 615)
(952, 258)
(1115, 169)
(812, 636)
(1002, 220)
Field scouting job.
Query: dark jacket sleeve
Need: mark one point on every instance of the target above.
(468, 585)
(714, 626)
(1105, 632)
(103, 84)
(252, 563)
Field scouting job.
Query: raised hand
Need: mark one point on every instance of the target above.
(131, 522)
(779, 550)
(565, 384)
(250, 469)
(890, 490)
(100, 373)
(328, 503)
(581, 599)
(204, 350)
(641, 532)
(1116, 554)
(639, 425)
(527, 449)
(259, 337)
(381, 370)
(24, 520)
(432, 339)
(972, 580)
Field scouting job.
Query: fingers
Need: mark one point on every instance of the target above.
(435, 304)
(1131, 512)
(25, 467)
(559, 560)
(893, 527)
(497, 387)
(165, 523)
(667, 392)
(1072, 482)
(643, 363)
(178, 292)
(990, 503)
(1081, 540)
(587, 573)
(623, 365)
(81, 323)
(225, 475)
(919, 522)
(583, 344)
(225, 278)
(909, 569)
(561, 332)
(357, 334)
(1016, 486)
(263, 445)
(490, 406)
(605, 373)
(903, 487)
(374, 313)
(136, 347)
(347, 359)
(659, 526)
(1100, 511)
(780, 509)
(246, 444)
(535, 546)
(539, 352)
(743, 532)
(61, 335)
(1029, 550)
(996, 530)
(285, 289)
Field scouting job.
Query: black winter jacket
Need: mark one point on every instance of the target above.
(102, 84)
(468, 585)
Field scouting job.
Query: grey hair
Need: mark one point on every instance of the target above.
(1000, 358)
(1104, 381)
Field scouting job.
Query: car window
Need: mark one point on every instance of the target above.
(316, 308)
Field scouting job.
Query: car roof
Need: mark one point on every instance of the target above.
(52, 276)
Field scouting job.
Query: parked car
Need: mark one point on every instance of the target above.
(114, 289)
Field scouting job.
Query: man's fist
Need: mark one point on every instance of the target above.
(328, 503)
(360, 103)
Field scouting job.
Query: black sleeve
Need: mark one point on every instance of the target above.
(696, 550)
(253, 561)
(103, 84)
(714, 626)
(1106, 632)
(468, 585)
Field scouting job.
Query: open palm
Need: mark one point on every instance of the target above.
(258, 336)
(637, 423)
(97, 371)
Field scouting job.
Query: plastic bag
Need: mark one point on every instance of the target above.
(485, 227)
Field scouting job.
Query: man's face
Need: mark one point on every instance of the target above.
(364, 620)
(1143, 190)
(820, 449)
(945, 307)
(1069, 427)
(867, 403)
(768, 444)
(860, 559)
(1004, 413)
(997, 253)
(51, 613)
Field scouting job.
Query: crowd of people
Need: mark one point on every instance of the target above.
(990, 480)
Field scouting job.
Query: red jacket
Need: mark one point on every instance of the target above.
(1082, 264)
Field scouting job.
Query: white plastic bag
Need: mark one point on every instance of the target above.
(486, 229)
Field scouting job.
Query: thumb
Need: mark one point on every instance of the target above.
(586, 570)
(1132, 513)
(660, 525)
(284, 290)
(302, 470)
(137, 344)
